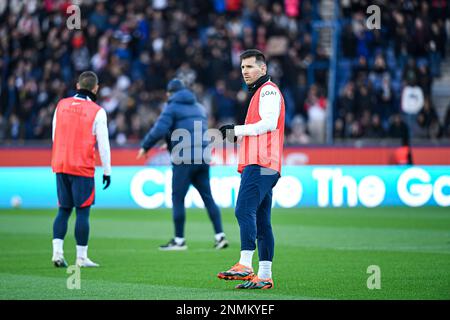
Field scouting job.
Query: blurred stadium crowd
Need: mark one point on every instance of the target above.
(137, 46)
(385, 72)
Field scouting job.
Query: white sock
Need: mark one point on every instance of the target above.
(179, 241)
(82, 252)
(265, 270)
(246, 258)
(58, 247)
(218, 236)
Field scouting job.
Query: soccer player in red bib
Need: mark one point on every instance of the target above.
(78, 124)
(261, 147)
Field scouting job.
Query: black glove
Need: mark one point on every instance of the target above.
(107, 180)
(228, 132)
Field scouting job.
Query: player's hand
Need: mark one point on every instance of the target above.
(141, 154)
(106, 181)
(227, 131)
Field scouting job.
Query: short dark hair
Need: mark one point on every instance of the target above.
(259, 56)
(88, 80)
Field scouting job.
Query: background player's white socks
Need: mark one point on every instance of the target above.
(58, 247)
(179, 241)
(265, 270)
(218, 236)
(82, 252)
(246, 258)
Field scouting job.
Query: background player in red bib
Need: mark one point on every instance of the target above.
(260, 152)
(78, 124)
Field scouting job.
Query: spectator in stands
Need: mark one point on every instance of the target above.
(376, 129)
(385, 98)
(299, 95)
(346, 102)
(412, 97)
(339, 129)
(437, 46)
(361, 71)
(410, 71)
(418, 45)
(224, 105)
(315, 106)
(435, 129)
(379, 71)
(348, 124)
(365, 122)
(428, 120)
(298, 134)
(398, 129)
(355, 130)
(364, 100)
(424, 79)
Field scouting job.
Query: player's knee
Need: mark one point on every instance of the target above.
(207, 199)
(264, 234)
(264, 229)
(245, 215)
(240, 209)
(238, 212)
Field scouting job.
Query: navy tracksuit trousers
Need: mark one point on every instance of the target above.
(253, 210)
(183, 176)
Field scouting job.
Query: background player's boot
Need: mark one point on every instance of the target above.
(222, 243)
(256, 283)
(172, 245)
(86, 263)
(59, 261)
(237, 272)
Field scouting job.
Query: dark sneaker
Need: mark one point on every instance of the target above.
(221, 244)
(173, 246)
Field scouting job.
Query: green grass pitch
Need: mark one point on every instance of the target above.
(319, 254)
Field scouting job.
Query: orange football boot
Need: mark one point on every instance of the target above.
(237, 272)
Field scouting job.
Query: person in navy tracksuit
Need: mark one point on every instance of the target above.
(190, 160)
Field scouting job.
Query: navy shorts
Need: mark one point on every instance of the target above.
(75, 191)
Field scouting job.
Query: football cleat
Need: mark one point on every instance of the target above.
(237, 272)
(221, 244)
(86, 263)
(256, 283)
(60, 262)
(173, 246)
